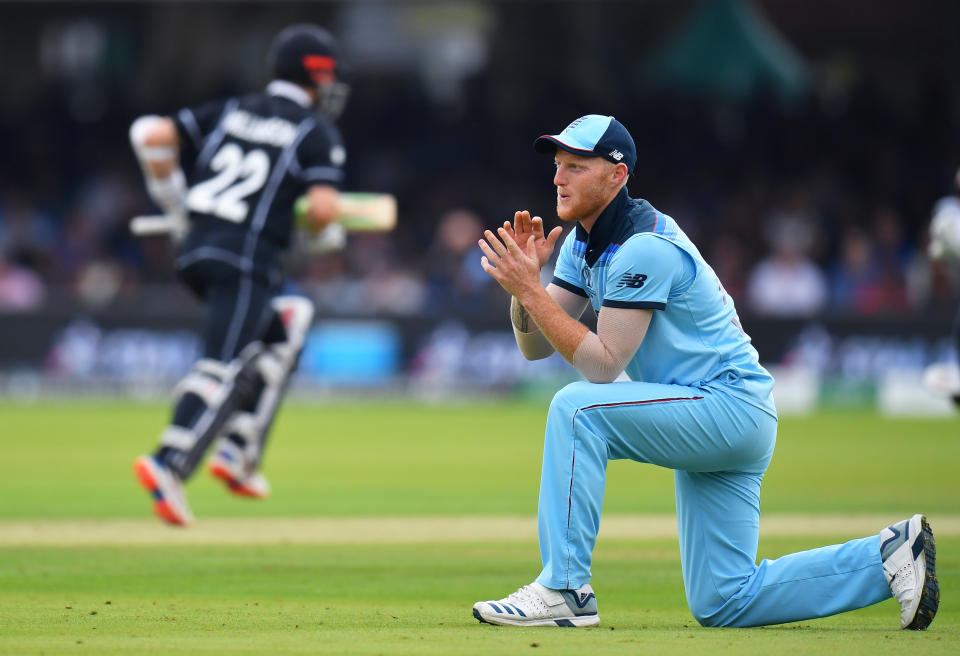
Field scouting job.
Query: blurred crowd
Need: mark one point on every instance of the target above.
(819, 205)
(783, 243)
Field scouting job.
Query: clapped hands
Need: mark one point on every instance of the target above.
(514, 255)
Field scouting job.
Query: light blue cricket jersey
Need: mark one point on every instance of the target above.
(637, 257)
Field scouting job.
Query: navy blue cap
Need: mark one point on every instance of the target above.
(593, 135)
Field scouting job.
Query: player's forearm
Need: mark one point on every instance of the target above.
(603, 355)
(595, 362)
(562, 331)
(531, 342)
(155, 142)
(162, 169)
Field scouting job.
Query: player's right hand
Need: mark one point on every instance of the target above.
(525, 227)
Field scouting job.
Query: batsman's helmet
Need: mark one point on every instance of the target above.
(307, 54)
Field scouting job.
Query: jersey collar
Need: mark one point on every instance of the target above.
(290, 91)
(606, 229)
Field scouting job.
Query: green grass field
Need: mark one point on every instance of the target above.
(388, 520)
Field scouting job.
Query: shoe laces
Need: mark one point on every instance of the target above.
(527, 597)
(903, 581)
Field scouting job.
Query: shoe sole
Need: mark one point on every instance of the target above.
(575, 621)
(161, 507)
(930, 597)
(235, 486)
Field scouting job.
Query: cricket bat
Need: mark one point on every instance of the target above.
(361, 211)
(356, 211)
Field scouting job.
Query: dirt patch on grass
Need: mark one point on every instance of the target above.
(399, 530)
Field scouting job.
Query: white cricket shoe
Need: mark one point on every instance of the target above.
(231, 466)
(909, 553)
(536, 605)
(163, 484)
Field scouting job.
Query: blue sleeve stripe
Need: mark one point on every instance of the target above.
(635, 305)
(569, 287)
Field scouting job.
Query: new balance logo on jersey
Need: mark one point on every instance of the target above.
(634, 280)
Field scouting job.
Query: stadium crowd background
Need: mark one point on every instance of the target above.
(804, 164)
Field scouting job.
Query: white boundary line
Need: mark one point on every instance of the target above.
(411, 530)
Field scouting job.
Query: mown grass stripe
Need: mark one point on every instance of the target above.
(410, 530)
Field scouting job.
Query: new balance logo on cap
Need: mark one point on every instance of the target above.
(616, 154)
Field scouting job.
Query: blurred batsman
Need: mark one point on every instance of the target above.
(227, 175)
(694, 399)
(943, 378)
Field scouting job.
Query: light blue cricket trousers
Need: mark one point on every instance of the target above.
(719, 448)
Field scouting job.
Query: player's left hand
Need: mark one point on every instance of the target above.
(524, 226)
(516, 269)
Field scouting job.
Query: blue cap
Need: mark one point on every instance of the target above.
(593, 135)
